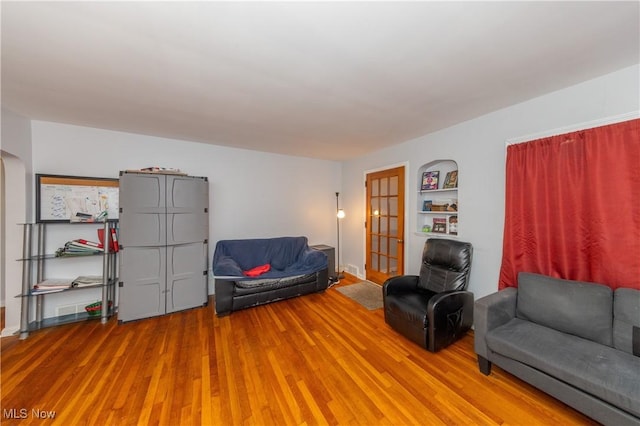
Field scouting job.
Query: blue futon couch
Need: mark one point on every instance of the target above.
(293, 267)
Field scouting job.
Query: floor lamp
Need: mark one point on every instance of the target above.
(339, 215)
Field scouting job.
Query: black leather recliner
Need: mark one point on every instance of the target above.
(433, 309)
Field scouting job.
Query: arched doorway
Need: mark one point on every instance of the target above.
(12, 213)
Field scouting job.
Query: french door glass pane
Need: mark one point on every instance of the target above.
(383, 264)
(384, 206)
(384, 186)
(393, 247)
(393, 206)
(375, 205)
(393, 226)
(393, 266)
(393, 185)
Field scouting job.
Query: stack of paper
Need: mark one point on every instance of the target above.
(51, 286)
(87, 280)
(80, 248)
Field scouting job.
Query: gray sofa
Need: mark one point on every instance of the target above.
(576, 341)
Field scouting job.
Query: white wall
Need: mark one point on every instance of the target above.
(478, 146)
(251, 194)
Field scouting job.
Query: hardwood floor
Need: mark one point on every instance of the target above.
(316, 359)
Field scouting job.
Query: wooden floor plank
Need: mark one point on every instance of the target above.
(320, 359)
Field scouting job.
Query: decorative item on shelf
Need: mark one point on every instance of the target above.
(451, 181)
(453, 207)
(439, 225)
(429, 180)
(426, 205)
(95, 309)
(453, 225)
(439, 207)
(426, 228)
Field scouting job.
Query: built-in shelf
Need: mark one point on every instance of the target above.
(446, 220)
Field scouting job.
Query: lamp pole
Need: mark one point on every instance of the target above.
(338, 240)
(339, 215)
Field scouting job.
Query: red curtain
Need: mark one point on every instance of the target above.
(573, 207)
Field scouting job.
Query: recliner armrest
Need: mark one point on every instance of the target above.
(449, 315)
(400, 284)
(490, 312)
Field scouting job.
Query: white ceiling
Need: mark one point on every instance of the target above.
(330, 80)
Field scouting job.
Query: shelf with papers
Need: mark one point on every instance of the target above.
(36, 286)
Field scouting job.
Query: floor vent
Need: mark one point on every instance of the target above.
(353, 270)
(71, 309)
(66, 310)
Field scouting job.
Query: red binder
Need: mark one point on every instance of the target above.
(113, 241)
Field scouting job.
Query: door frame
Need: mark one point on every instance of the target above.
(407, 216)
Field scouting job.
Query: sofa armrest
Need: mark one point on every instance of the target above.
(311, 258)
(223, 296)
(449, 315)
(322, 279)
(491, 312)
(227, 266)
(400, 284)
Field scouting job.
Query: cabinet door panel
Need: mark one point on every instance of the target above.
(143, 205)
(187, 194)
(187, 227)
(187, 201)
(143, 274)
(143, 193)
(143, 229)
(186, 276)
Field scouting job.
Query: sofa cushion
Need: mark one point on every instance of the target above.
(257, 286)
(574, 307)
(626, 315)
(602, 371)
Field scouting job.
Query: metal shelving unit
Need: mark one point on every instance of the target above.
(34, 236)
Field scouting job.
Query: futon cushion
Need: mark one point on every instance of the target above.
(602, 371)
(626, 315)
(259, 285)
(582, 309)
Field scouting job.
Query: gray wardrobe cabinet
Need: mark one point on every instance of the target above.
(164, 228)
